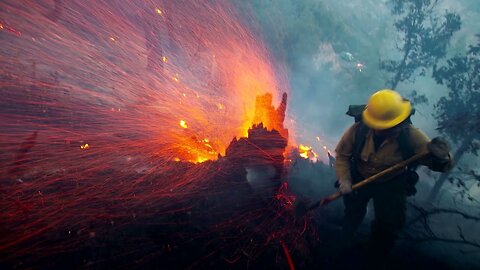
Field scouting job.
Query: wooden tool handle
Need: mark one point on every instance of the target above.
(373, 178)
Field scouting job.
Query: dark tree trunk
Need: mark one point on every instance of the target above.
(400, 69)
(443, 178)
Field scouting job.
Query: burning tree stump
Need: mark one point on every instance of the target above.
(270, 117)
(267, 138)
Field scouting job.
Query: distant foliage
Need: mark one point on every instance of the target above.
(458, 113)
(417, 98)
(423, 38)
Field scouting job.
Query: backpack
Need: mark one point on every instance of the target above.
(403, 140)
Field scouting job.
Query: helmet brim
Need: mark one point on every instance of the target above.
(378, 124)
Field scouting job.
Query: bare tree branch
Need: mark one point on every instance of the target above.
(426, 234)
(436, 211)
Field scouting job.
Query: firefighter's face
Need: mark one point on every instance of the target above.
(386, 133)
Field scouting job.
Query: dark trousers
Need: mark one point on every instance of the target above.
(389, 201)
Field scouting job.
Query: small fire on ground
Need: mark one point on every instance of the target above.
(308, 152)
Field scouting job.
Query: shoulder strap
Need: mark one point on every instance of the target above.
(405, 145)
(360, 136)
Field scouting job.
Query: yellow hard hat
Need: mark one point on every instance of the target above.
(385, 109)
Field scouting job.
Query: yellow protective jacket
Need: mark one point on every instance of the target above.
(388, 154)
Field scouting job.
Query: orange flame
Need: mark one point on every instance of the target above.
(306, 152)
(218, 90)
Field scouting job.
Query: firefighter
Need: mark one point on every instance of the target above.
(383, 137)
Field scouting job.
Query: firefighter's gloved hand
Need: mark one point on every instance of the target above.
(345, 187)
(439, 148)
